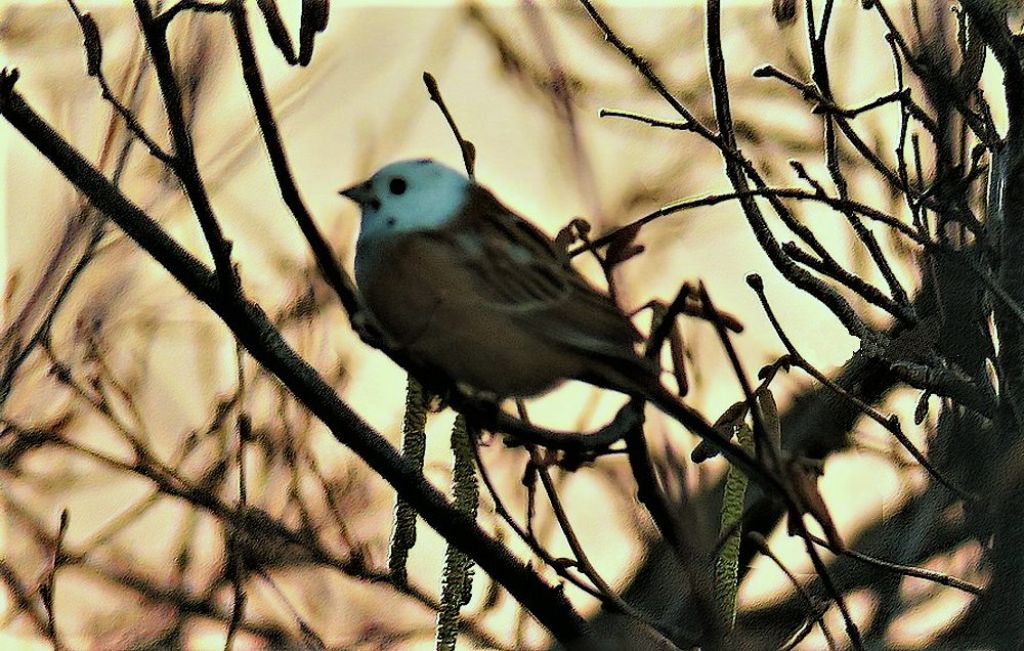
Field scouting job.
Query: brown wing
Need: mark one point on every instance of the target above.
(501, 223)
(519, 270)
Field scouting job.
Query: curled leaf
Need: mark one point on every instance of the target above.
(803, 475)
(727, 425)
(622, 247)
(576, 230)
(677, 350)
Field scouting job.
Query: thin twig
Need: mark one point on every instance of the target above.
(891, 424)
(234, 559)
(502, 511)
(766, 449)
(765, 549)
(93, 45)
(906, 570)
(326, 260)
(258, 335)
(465, 146)
(185, 165)
(612, 598)
(738, 169)
(48, 588)
(646, 119)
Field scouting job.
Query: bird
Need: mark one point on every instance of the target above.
(473, 291)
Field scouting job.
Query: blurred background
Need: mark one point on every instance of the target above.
(106, 356)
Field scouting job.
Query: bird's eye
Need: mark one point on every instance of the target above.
(397, 185)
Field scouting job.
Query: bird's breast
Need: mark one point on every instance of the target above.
(399, 285)
(424, 295)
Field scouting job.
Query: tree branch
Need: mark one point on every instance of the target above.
(259, 337)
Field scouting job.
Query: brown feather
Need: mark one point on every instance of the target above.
(538, 276)
(489, 300)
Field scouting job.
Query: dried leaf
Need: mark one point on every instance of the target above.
(677, 351)
(576, 230)
(770, 416)
(563, 563)
(726, 425)
(803, 477)
(529, 475)
(622, 247)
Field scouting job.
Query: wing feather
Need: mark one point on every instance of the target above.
(519, 270)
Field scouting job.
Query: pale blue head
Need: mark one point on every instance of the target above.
(408, 196)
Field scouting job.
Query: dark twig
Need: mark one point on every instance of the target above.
(254, 526)
(21, 596)
(901, 96)
(767, 450)
(891, 423)
(737, 175)
(311, 640)
(42, 333)
(467, 147)
(981, 125)
(611, 598)
(561, 569)
(325, 258)
(782, 193)
(92, 44)
(199, 6)
(821, 77)
(68, 239)
(181, 601)
(234, 560)
(915, 235)
(892, 177)
(649, 488)
(185, 165)
(648, 120)
(48, 588)
(265, 344)
(818, 617)
(982, 128)
(738, 168)
(906, 570)
(277, 30)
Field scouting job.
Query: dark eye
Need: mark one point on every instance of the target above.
(397, 185)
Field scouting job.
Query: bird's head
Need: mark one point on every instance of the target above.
(407, 196)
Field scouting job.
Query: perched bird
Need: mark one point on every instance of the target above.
(472, 290)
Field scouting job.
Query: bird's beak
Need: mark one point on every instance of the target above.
(361, 193)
